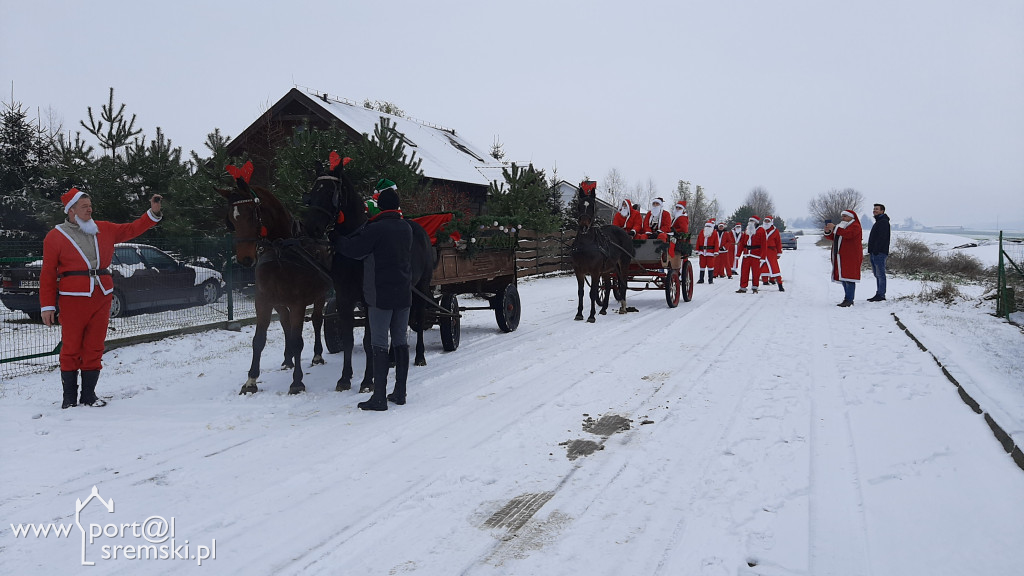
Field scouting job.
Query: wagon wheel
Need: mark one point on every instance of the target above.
(686, 280)
(332, 327)
(450, 325)
(508, 308)
(604, 289)
(672, 288)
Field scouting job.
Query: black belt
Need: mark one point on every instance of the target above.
(100, 272)
(707, 247)
(752, 246)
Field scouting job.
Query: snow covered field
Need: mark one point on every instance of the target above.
(771, 434)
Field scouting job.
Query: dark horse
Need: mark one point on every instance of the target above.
(335, 207)
(265, 237)
(597, 252)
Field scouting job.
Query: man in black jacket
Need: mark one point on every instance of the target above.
(385, 246)
(878, 250)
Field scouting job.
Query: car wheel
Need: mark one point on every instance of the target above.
(117, 306)
(210, 292)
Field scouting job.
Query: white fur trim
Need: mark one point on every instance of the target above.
(74, 199)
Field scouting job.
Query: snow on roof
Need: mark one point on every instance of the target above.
(445, 154)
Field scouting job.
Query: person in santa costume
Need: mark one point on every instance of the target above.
(753, 244)
(770, 271)
(726, 247)
(76, 260)
(737, 247)
(707, 249)
(847, 253)
(629, 218)
(658, 220)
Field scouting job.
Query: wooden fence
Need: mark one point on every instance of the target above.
(544, 253)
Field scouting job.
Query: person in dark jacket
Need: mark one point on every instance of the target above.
(385, 246)
(878, 250)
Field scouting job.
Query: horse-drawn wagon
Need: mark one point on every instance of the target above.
(657, 267)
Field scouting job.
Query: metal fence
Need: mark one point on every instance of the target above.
(1010, 281)
(28, 346)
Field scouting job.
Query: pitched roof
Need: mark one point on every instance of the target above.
(444, 153)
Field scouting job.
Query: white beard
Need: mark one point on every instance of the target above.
(751, 228)
(624, 211)
(88, 226)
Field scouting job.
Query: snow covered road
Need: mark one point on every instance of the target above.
(771, 434)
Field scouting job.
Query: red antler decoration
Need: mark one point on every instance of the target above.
(245, 172)
(588, 186)
(336, 159)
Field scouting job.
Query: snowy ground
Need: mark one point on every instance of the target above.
(773, 434)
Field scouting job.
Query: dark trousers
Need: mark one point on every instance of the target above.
(878, 267)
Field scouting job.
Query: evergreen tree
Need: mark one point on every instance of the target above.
(522, 200)
(199, 210)
(26, 154)
(112, 131)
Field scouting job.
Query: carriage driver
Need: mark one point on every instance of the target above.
(385, 247)
(76, 259)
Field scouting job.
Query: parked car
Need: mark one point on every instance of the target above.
(788, 240)
(144, 277)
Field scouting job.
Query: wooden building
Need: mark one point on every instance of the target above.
(448, 159)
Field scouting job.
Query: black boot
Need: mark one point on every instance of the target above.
(711, 278)
(378, 401)
(701, 281)
(69, 380)
(781, 289)
(401, 375)
(89, 398)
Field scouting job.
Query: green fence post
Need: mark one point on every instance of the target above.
(231, 288)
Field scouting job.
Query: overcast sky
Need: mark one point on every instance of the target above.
(917, 104)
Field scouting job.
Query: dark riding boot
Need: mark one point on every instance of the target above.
(401, 375)
(378, 401)
(69, 380)
(701, 281)
(711, 278)
(89, 398)
(781, 289)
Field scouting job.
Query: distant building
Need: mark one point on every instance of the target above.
(448, 159)
(568, 193)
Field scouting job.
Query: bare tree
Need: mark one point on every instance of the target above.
(614, 187)
(829, 205)
(761, 201)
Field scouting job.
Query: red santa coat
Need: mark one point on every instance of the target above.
(707, 245)
(753, 246)
(633, 223)
(662, 224)
(681, 225)
(847, 251)
(61, 254)
(737, 249)
(726, 246)
(773, 248)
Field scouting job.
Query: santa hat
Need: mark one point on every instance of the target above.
(755, 218)
(849, 213)
(710, 223)
(659, 201)
(681, 206)
(738, 225)
(387, 194)
(69, 198)
(769, 219)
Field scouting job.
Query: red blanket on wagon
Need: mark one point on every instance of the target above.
(433, 223)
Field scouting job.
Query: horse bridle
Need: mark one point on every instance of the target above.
(335, 201)
(261, 237)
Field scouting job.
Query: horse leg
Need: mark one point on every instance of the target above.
(620, 287)
(294, 337)
(346, 326)
(594, 289)
(283, 313)
(418, 313)
(367, 384)
(259, 341)
(318, 324)
(579, 293)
